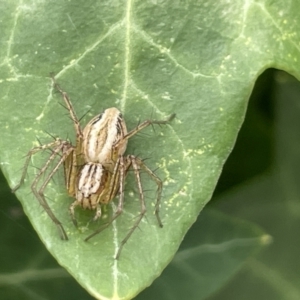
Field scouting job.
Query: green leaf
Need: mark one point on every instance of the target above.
(197, 59)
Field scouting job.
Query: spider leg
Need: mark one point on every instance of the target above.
(70, 170)
(72, 212)
(69, 107)
(98, 213)
(66, 149)
(33, 151)
(114, 185)
(146, 124)
(135, 163)
(158, 182)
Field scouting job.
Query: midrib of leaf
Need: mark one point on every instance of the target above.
(6, 60)
(74, 62)
(127, 44)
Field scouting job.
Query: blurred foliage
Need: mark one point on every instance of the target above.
(271, 200)
(253, 152)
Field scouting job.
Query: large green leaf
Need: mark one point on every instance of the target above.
(194, 58)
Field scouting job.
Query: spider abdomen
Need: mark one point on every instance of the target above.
(92, 185)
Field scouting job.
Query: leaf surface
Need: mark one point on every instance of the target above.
(197, 59)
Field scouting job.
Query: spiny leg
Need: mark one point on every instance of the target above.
(72, 212)
(71, 170)
(157, 180)
(132, 160)
(77, 156)
(114, 184)
(98, 213)
(146, 124)
(119, 173)
(33, 151)
(66, 148)
(69, 107)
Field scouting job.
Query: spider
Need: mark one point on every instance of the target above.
(95, 168)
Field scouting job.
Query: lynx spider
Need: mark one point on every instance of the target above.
(95, 168)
